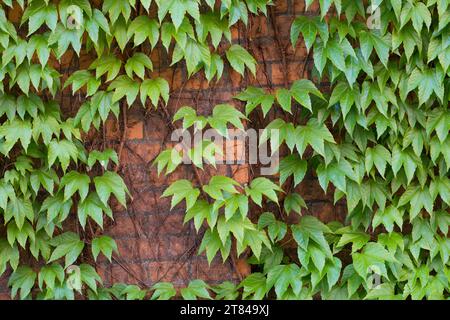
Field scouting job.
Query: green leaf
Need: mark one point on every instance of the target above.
(22, 279)
(137, 64)
(109, 183)
(124, 86)
(239, 58)
(218, 185)
(102, 157)
(262, 186)
(307, 27)
(300, 91)
(19, 209)
(106, 64)
(74, 181)
(196, 289)
(224, 114)
(13, 131)
(388, 217)
(276, 229)
(143, 28)
(282, 277)
(371, 259)
(93, 207)
(67, 245)
(292, 165)
(154, 89)
(255, 97)
(49, 274)
(105, 245)
(255, 286)
(294, 202)
(63, 150)
(284, 99)
(163, 291)
(182, 189)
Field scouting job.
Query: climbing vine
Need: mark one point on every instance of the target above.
(377, 139)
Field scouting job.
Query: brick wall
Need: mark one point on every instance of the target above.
(154, 243)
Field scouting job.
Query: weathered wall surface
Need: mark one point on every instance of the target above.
(154, 243)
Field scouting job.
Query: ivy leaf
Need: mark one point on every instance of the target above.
(307, 27)
(63, 150)
(308, 228)
(154, 88)
(178, 10)
(81, 78)
(200, 212)
(235, 202)
(182, 189)
(211, 23)
(294, 202)
(358, 239)
(169, 159)
(215, 68)
(38, 13)
(10, 254)
(292, 165)
(124, 86)
(417, 198)
(196, 288)
(314, 134)
(300, 91)
(137, 64)
(282, 277)
(372, 258)
(49, 274)
(22, 279)
(163, 291)
(212, 243)
(262, 186)
(13, 131)
(93, 207)
(89, 276)
(370, 40)
(277, 229)
(66, 245)
(379, 156)
(56, 206)
(218, 185)
(224, 114)
(102, 157)
(255, 97)
(117, 8)
(226, 290)
(94, 23)
(19, 209)
(284, 99)
(144, 28)
(387, 217)
(74, 181)
(6, 192)
(105, 245)
(255, 286)
(109, 183)
(106, 64)
(239, 58)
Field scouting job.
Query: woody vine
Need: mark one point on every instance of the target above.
(377, 139)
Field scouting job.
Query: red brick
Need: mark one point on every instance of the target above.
(240, 173)
(135, 130)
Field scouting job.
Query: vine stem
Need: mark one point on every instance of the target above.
(124, 136)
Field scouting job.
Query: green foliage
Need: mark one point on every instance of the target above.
(379, 137)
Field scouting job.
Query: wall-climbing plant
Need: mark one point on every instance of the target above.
(378, 139)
